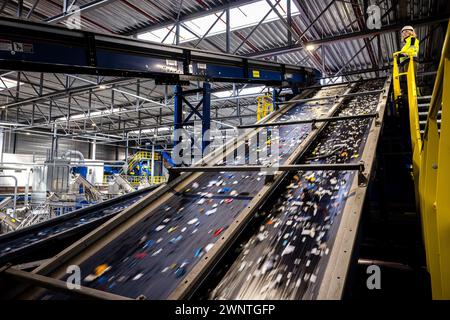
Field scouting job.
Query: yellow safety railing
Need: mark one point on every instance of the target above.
(136, 180)
(416, 139)
(265, 106)
(435, 180)
(158, 179)
(431, 159)
(141, 155)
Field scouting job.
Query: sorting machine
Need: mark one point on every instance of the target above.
(39, 241)
(170, 244)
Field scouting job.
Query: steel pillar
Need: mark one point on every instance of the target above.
(178, 110)
(205, 116)
(274, 99)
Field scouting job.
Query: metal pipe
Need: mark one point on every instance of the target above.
(15, 190)
(12, 168)
(27, 187)
(75, 152)
(293, 167)
(387, 264)
(326, 119)
(18, 163)
(98, 165)
(59, 285)
(153, 165)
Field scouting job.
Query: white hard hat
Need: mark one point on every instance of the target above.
(407, 28)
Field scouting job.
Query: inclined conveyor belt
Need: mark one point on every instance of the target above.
(158, 248)
(16, 246)
(152, 257)
(286, 258)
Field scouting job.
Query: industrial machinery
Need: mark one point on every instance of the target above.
(46, 238)
(182, 230)
(118, 184)
(313, 153)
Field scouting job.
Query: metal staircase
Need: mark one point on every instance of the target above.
(423, 107)
(139, 156)
(430, 141)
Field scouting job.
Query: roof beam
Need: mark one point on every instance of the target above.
(199, 14)
(83, 8)
(384, 29)
(63, 93)
(350, 36)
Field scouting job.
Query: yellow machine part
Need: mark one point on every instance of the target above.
(265, 106)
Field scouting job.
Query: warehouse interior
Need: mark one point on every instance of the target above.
(224, 149)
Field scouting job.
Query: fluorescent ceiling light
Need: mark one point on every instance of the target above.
(96, 114)
(153, 131)
(245, 91)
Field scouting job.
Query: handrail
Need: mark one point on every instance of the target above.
(413, 111)
(437, 90)
(433, 180)
(416, 138)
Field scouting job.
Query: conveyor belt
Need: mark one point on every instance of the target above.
(17, 246)
(143, 249)
(156, 245)
(286, 258)
(47, 48)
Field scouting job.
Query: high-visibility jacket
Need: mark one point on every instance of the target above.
(411, 47)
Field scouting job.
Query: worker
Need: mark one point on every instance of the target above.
(411, 46)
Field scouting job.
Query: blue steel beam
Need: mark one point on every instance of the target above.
(29, 46)
(178, 111)
(206, 116)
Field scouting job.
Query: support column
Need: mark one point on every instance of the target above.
(206, 115)
(228, 31)
(93, 149)
(178, 111)
(152, 181)
(177, 33)
(126, 154)
(1, 145)
(54, 151)
(289, 22)
(274, 98)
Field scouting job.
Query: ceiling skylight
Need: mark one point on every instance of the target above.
(242, 17)
(8, 82)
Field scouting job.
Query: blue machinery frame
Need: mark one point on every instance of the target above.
(30, 46)
(205, 116)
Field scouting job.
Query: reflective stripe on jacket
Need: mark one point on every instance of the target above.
(411, 47)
